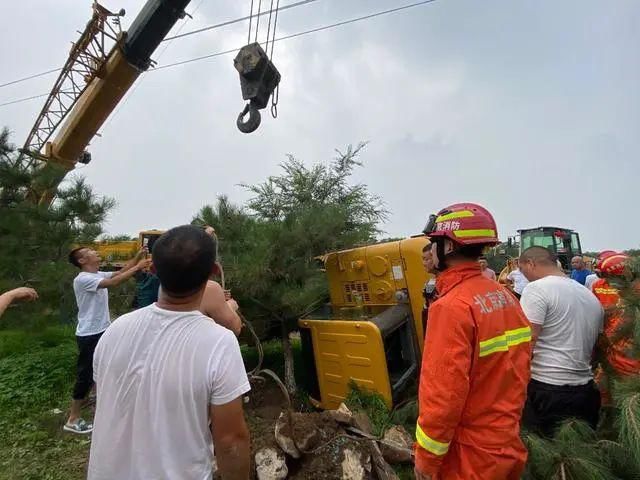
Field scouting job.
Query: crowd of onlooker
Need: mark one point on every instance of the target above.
(168, 381)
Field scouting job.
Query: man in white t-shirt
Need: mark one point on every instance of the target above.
(170, 381)
(90, 288)
(566, 320)
(590, 280)
(516, 280)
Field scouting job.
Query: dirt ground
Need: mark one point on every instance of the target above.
(324, 456)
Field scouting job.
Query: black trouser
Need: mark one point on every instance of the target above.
(84, 375)
(548, 405)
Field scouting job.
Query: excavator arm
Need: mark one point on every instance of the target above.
(102, 66)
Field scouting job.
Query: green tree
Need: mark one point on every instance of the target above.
(35, 239)
(498, 257)
(271, 245)
(633, 252)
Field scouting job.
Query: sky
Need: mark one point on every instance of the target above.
(530, 108)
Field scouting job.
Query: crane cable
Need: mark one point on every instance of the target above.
(173, 37)
(271, 38)
(286, 37)
(276, 94)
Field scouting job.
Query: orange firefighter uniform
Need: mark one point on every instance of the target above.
(473, 382)
(617, 351)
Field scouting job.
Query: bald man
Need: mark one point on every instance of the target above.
(579, 271)
(566, 320)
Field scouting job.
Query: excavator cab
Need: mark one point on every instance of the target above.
(564, 243)
(371, 332)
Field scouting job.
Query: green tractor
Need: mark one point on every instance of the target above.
(564, 243)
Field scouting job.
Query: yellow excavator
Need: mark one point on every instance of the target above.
(115, 254)
(371, 332)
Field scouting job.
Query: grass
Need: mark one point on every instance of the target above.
(371, 403)
(36, 375)
(37, 371)
(273, 358)
(382, 418)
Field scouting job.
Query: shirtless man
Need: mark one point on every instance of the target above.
(217, 303)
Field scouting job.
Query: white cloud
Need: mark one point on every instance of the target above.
(528, 107)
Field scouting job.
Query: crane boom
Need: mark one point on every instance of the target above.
(85, 59)
(92, 83)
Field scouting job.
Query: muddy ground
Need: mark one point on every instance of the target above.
(325, 451)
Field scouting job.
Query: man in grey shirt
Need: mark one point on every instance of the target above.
(566, 320)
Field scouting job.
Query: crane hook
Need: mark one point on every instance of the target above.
(252, 123)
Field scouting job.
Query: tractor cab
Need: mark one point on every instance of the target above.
(564, 243)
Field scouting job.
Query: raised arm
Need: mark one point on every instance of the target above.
(17, 294)
(222, 311)
(123, 276)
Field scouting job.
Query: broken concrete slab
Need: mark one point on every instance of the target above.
(342, 415)
(284, 440)
(382, 469)
(271, 464)
(354, 466)
(362, 422)
(397, 445)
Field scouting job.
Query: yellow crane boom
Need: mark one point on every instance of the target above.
(102, 66)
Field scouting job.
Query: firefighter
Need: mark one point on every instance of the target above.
(610, 265)
(475, 364)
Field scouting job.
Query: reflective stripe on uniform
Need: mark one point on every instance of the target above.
(429, 444)
(454, 215)
(475, 233)
(501, 343)
(606, 291)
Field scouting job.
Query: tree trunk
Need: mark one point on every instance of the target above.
(289, 377)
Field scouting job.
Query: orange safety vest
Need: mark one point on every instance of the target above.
(617, 352)
(473, 382)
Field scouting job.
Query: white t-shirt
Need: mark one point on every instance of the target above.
(519, 280)
(156, 373)
(93, 303)
(590, 280)
(571, 319)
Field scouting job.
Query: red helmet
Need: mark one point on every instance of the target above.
(464, 224)
(611, 263)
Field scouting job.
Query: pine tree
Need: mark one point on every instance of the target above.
(269, 248)
(35, 239)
